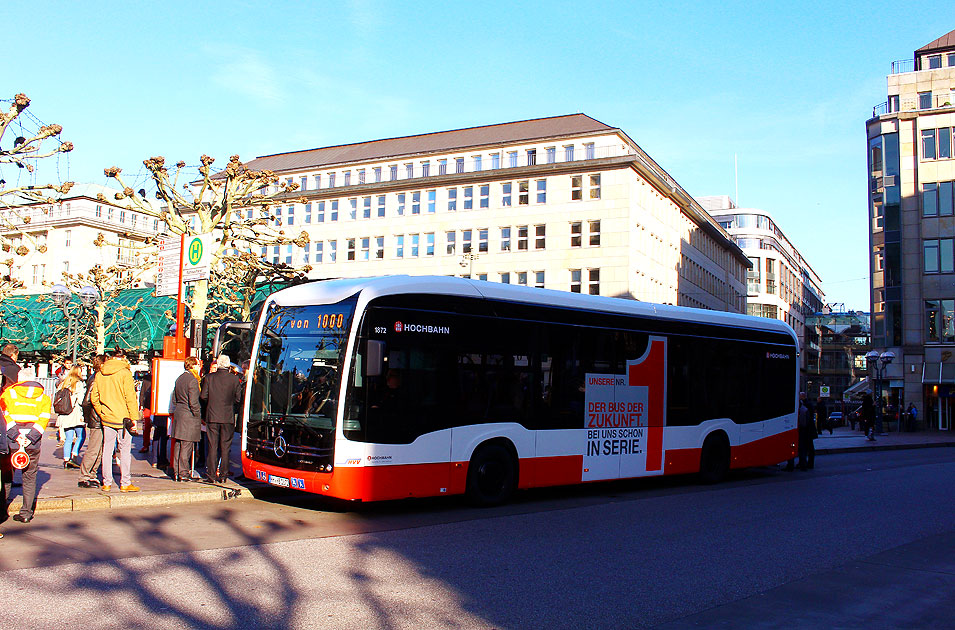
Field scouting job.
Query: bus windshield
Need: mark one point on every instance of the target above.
(295, 383)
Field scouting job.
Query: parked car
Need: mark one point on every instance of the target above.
(835, 419)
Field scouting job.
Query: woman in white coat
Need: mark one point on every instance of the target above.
(73, 425)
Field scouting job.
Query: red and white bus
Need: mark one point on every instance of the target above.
(392, 387)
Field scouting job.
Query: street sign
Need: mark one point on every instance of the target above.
(198, 257)
(167, 276)
(823, 391)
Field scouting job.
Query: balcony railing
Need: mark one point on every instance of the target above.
(911, 104)
(903, 65)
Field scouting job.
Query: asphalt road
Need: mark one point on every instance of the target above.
(864, 541)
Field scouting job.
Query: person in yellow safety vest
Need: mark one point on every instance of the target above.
(26, 411)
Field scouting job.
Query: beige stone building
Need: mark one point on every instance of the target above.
(911, 162)
(781, 283)
(68, 229)
(565, 203)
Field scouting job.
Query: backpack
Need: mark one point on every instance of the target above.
(63, 402)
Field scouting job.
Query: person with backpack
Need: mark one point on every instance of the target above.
(67, 403)
(94, 426)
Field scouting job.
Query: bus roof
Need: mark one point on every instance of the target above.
(331, 291)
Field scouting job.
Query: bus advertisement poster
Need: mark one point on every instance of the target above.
(615, 424)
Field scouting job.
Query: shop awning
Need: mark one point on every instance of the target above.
(856, 391)
(938, 373)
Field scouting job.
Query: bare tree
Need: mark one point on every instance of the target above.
(235, 205)
(24, 152)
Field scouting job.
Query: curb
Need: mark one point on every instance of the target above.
(103, 501)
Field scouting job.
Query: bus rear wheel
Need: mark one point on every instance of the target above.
(492, 475)
(714, 458)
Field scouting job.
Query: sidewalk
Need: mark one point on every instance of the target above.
(59, 492)
(846, 440)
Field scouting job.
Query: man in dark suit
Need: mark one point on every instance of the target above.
(187, 419)
(221, 391)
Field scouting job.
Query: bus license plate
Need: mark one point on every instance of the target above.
(278, 481)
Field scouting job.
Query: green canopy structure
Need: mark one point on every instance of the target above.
(135, 320)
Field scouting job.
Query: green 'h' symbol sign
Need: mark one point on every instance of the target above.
(195, 251)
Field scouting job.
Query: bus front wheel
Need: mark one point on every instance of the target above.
(714, 458)
(492, 475)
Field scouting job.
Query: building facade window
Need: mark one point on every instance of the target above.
(449, 238)
(531, 157)
(505, 278)
(925, 100)
(940, 321)
(379, 247)
(523, 192)
(332, 251)
(551, 154)
(352, 208)
(594, 233)
(934, 61)
(426, 169)
(393, 172)
(938, 255)
(459, 165)
(318, 181)
(575, 280)
(432, 200)
(333, 214)
(568, 153)
(401, 205)
(68, 234)
(495, 160)
(347, 178)
(468, 197)
(381, 206)
(483, 240)
(540, 237)
(331, 180)
(429, 244)
(539, 279)
(522, 237)
(505, 239)
(595, 186)
(512, 159)
(361, 176)
(593, 281)
(377, 172)
(506, 194)
(365, 248)
(400, 246)
(465, 241)
(415, 242)
(576, 233)
(443, 166)
(452, 199)
(485, 191)
(576, 187)
(522, 278)
(541, 191)
(589, 151)
(416, 202)
(366, 208)
(351, 249)
(478, 163)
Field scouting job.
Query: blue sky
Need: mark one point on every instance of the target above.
(784, 87)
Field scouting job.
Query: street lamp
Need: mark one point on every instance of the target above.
(62, 297)
(879, 362)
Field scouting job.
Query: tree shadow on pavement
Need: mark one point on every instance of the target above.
(162, 577)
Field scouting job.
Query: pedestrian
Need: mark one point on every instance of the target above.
(145, 405)
(62, 371)
(94, 446)
(9, 369)
(913, 415)
(807, 433)
(822, 417)
(72, 422)
(26, 410)
(868, 416)
(187, 419)
(221, 391)
(114, 399)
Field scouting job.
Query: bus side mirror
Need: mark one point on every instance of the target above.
(375, 358)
